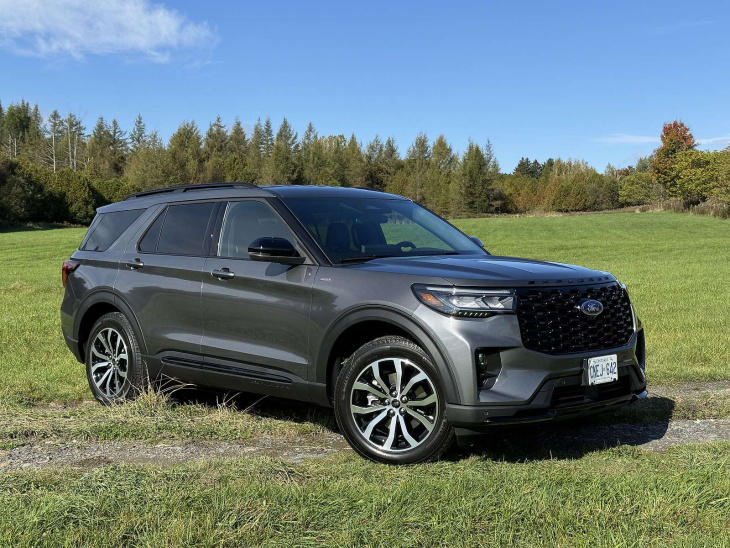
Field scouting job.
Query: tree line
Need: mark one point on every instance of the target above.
(52, 169)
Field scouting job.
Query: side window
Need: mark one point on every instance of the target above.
(184, 228)
(104, 232)
(148, 243)
(245, 222)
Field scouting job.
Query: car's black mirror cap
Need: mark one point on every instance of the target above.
(274, 250)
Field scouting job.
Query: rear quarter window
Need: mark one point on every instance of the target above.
(107, 227)
(184, 229)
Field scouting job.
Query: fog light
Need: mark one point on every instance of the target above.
(488, 366)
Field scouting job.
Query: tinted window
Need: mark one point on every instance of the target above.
(148, 244)
(183, 231)
(353, 228)
(245, 222)
(104, 232)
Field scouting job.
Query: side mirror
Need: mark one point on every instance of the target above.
(274, 250)
(477, 241)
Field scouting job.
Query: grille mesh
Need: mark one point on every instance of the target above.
(551, 322)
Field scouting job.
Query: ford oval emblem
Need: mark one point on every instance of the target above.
(591, 307)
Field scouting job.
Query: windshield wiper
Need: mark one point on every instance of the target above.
(358, 258)
(365, 258)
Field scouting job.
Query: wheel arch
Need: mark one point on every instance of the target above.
(93, 308)
(366, 324)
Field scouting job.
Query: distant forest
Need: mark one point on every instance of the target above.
(52, 169)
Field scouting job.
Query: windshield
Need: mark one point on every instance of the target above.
(352, 229)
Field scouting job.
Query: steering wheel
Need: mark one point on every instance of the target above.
(406, 243)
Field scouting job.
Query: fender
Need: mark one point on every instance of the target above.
(398, 319)
(108, 296)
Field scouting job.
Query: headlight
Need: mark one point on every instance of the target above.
(466, 302)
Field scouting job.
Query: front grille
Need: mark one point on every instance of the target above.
(551, 322)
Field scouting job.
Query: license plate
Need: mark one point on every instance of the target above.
(602, 369)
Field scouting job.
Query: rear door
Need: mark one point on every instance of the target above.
(255, 314)
(160, 278)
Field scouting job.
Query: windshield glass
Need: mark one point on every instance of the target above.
(351, 229)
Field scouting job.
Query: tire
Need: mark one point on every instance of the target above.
(409, 424)
(114, 366)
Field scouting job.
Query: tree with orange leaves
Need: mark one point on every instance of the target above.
(676, 137)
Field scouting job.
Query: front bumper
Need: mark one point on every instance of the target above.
(558, 398)
(527, 386)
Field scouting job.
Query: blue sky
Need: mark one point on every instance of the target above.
(593, 80)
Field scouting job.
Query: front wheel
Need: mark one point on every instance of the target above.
(114, 365)
(389, 403)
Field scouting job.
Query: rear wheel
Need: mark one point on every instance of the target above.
(114, 365)
(389, 403)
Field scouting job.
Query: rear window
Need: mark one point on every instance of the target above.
(107, 227)
(183, 231)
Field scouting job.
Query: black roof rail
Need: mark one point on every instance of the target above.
(185, 188)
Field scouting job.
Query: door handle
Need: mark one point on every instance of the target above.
(135, 264)
(223, 274)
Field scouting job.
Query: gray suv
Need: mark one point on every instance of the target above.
(350, 298)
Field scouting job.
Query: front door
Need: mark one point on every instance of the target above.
(255, 314)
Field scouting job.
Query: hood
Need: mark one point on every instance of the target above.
(487, 270)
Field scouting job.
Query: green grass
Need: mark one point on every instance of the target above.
(35, 364)
(617, 497)
(156, 416)
(676, 267)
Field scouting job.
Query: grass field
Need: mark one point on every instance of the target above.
(676, 267)
(617, 497)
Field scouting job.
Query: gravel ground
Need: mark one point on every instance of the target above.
(526, 442)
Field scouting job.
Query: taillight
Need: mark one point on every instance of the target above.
(66, 269)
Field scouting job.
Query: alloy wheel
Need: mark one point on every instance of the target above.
(394, 404)
(109, 362)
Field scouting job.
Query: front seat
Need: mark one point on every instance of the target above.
(338, 238)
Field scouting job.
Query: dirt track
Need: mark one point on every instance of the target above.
(535, 442)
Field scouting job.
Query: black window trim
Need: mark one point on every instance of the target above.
(96, 221)
(208, 234)
(215, 239)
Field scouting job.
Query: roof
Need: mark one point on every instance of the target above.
(221, 191)
(307, 191)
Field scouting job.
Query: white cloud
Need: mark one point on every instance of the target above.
(714, 140)
(624, 139)
(78, 28)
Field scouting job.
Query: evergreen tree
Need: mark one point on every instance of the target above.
(267, 139)
(437, 186)
(417, 162)
(2, 124)
(147, 166)
(255, 155)
(215, 146)
(356, 172)
(283, 157)
(185, 155)
(138, 135)
(375, 169)
(118, 148)
(236, 164)
(308, 170)
(99, 162)
(476, 179)
(643, 165)
(17, 124)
